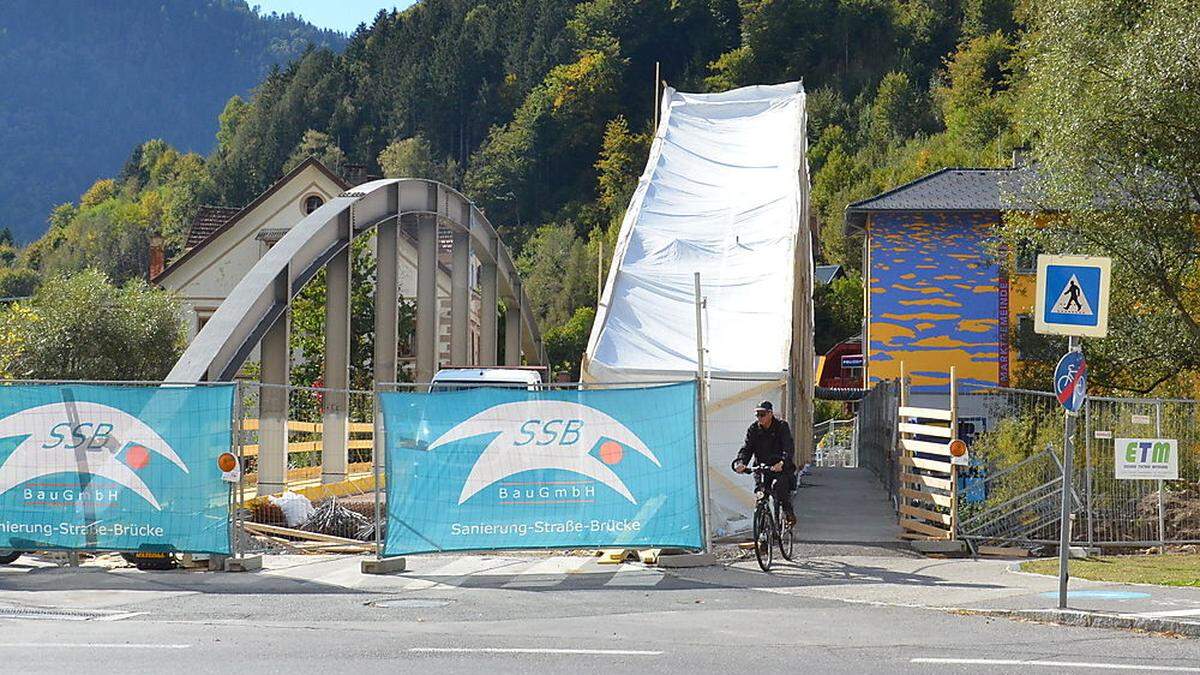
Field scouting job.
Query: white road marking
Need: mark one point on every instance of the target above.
(629, 575)
(88, 645)
(1173, 612)
(454, 573)
(1054, 664)
(552, 570)
(517, 650)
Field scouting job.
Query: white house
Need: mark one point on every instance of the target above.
(223, 243)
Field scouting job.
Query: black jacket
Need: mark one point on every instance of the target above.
(769, 445)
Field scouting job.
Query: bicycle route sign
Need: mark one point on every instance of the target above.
(1070, 381)
(1072, 295)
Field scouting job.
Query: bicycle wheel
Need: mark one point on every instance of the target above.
(787, 540)
(763, 528)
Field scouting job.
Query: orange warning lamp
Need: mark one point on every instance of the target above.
(227, 462)
(958, 448)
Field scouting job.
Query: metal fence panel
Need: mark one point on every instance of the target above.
(1013, 425)
(875, 431)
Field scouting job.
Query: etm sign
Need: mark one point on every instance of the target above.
(1141, 458)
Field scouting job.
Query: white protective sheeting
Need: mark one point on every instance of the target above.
(723, 194)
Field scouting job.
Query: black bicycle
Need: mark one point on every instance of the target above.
(768, 523)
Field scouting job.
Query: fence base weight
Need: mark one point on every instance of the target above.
(250, 563)
(383, 565)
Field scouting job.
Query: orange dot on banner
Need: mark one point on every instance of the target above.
(611, 452)
(137, 457)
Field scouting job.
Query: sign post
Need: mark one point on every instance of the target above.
(1072, 300)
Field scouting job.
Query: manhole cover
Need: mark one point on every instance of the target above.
(59, 614)
(409, 603)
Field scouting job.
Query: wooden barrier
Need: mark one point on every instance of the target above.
(928, 479)
(362, 436)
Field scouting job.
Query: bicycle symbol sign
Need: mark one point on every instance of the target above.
(1070, 381)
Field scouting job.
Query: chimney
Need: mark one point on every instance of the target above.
(156, 256)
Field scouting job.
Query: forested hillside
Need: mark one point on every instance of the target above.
(541, 111)
(83, 82)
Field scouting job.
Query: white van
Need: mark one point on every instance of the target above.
(452, 379)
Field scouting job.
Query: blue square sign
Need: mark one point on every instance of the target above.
(1072, 295)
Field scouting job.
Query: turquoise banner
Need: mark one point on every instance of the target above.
(490, 469)
(114, 468)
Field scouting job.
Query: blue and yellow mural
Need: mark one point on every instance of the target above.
(935, 298)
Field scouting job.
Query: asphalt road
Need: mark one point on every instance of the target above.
(513, 614)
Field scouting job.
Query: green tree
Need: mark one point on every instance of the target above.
(414, 158)
(622, 156)
(316, 144)
(838, 311)
(565, 344)
(18, 282)
(1111, 100)
(559, 271)
(84, 327)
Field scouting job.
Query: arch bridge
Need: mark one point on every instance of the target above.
(255, 312)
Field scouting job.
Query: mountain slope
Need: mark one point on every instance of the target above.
(83, 83)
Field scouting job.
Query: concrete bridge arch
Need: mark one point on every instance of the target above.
(255, 312)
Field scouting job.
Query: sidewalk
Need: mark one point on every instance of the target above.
(848, 550)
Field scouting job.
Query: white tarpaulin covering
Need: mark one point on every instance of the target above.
(723, 194)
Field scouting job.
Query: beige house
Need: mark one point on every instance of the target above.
(223, 243)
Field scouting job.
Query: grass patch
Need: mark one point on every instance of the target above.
(1164, 570)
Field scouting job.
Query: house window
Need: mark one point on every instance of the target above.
(312, 203)
(1027, 253)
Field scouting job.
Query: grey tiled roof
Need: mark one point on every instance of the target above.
(952, 189)
(945, 190)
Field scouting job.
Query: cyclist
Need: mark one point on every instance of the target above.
(769, 441)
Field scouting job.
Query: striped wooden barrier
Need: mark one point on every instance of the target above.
(928, 479)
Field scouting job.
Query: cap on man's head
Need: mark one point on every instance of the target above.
(765, 405)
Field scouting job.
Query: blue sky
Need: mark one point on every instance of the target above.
(342, 15)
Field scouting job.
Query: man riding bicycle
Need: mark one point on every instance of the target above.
(769, 441)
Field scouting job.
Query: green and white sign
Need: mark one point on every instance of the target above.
(1146, 458)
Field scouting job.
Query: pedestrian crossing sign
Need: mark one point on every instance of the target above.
(1072, 295)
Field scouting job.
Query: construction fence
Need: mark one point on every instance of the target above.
(1010, 493)
(581, 465)
(1014, 483)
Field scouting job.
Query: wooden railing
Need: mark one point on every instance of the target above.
(362, 436)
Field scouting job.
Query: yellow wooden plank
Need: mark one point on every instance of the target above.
(927, 481)
(924, 528)
(360, 443)
(311, 427)
(925, 430)
(304, 446)
(925, 447)
(927, 413)
(359, 427)
(927, 464)
(917, 512)
(249, 451)
(928, 497)
(250, 424)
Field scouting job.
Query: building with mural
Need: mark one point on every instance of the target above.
(936, 294)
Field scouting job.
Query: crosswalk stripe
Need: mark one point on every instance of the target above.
(452, 574)
(546, 573)
(630, 576)
(1169, 613)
